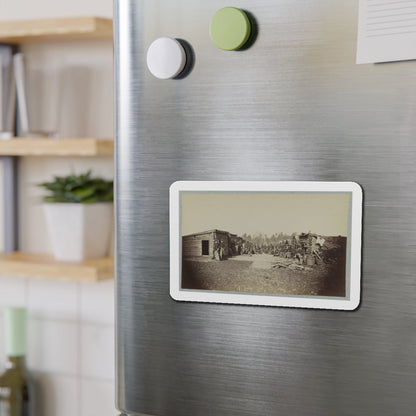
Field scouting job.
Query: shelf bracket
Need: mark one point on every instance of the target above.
(10, 203)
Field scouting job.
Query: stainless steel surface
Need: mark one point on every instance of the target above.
(294, 106)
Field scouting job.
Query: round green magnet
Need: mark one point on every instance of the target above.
(230, 28)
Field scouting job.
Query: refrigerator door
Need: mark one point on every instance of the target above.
(294, 106)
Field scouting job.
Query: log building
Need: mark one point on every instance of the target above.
(202, 244)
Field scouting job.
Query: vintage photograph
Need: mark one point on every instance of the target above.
(292, 244)
(278, 243)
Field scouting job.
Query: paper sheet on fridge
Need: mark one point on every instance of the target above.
(386, 31)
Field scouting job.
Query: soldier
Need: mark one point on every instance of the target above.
(216, 254)
(221, 250)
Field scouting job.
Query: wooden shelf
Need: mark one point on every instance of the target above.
(39, 30)
(44, 266)
(18, 146)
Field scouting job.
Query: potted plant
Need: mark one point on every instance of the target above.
(79, 216)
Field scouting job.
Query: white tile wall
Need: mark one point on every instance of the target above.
(49, 298)
(97, 352)
(12, 291)
(56, 346)
(95, 302)
(56, 395)
(70, 343)
(90, 390)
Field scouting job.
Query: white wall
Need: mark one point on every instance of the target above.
(71, 336)
(30, 9)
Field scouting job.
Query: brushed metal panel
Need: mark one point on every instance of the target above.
(292, 107)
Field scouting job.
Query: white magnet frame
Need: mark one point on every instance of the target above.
(355, 235)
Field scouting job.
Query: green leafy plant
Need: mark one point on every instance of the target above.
(81, 189)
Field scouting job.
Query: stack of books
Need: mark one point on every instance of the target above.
(7, 93)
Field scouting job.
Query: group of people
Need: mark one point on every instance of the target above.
(295, 247)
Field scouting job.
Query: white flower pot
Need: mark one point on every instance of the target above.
(79, 231)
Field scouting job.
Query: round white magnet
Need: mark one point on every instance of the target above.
(166, 58)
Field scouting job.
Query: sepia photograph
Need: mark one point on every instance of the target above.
(276, 243)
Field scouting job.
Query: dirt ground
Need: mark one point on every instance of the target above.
(255, 274)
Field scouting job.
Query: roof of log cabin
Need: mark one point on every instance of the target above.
(208, 232)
